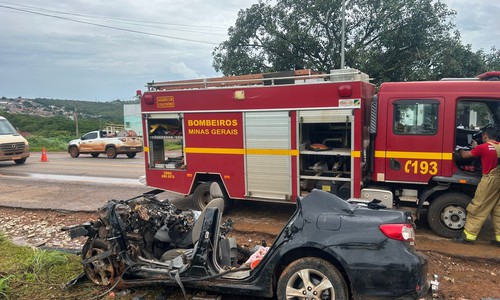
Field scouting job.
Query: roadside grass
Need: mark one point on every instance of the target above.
(57, 143)
(29, 273)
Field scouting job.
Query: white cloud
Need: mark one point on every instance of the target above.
(478, 22)
(46, 56)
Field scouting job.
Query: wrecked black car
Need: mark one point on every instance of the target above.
(329, 249)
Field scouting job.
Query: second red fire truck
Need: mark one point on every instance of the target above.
(277, 136)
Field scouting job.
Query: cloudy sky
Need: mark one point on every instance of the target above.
(103, 50)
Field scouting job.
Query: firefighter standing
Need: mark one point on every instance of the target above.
(487, 197)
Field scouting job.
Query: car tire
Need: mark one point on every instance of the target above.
(318, 271)
(131, 155)
(447, 214)
(20, 161)
(100, 271)
(74, 152)
(94, 155)
(201, 197)
(111, 152)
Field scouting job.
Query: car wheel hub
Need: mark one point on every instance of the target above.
(309, 284)
(454, 216)
(99, 271)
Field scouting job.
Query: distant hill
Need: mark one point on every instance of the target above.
(54, 117)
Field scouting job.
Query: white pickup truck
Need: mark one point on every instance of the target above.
(110, 143)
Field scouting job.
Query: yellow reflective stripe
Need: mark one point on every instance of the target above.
(215, 150)
(242, 151)
(447, 156)
(356, 153)
(272, 152)
(414, 155)
(469, 236)
(146, 149)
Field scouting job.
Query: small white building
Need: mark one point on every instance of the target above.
(132, 118)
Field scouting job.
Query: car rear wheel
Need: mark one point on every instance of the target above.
(131, 155)
(20, 161)
(111, 152)
(74, 152)
(94, 155)
(447, 214)
(311, 278)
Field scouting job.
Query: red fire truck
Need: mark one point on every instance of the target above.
(276, 136)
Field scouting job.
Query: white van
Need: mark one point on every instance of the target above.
(12, 145)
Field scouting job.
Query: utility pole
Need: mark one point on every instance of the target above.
(342, 50)
(76, 120)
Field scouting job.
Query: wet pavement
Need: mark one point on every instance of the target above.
(64, 183)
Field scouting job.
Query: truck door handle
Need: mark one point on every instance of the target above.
(394, 164)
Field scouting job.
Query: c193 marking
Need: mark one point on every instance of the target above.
(421, 167)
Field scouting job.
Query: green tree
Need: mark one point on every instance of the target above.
(493, 60)
(391, 40)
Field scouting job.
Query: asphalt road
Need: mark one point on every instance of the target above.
(77, 184)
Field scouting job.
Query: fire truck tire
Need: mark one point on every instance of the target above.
(73, 152)
(447, 214)
(201, 197)
(111, 152)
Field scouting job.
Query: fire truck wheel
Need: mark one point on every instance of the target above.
(447, 214)
(201, 197)
(111, 152)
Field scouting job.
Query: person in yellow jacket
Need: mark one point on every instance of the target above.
(486, 200)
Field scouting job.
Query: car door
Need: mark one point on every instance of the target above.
(87, 140)
(414, 149)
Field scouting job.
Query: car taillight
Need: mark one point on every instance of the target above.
(400, 232)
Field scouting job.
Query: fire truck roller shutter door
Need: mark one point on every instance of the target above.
(268, 160)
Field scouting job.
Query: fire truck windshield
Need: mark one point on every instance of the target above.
(476, 114)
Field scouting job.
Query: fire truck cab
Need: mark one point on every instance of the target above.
(277, 136)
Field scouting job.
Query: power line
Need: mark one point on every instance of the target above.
(112, 18)
(106, 26)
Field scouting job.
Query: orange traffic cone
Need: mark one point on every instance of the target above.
(44, 155)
